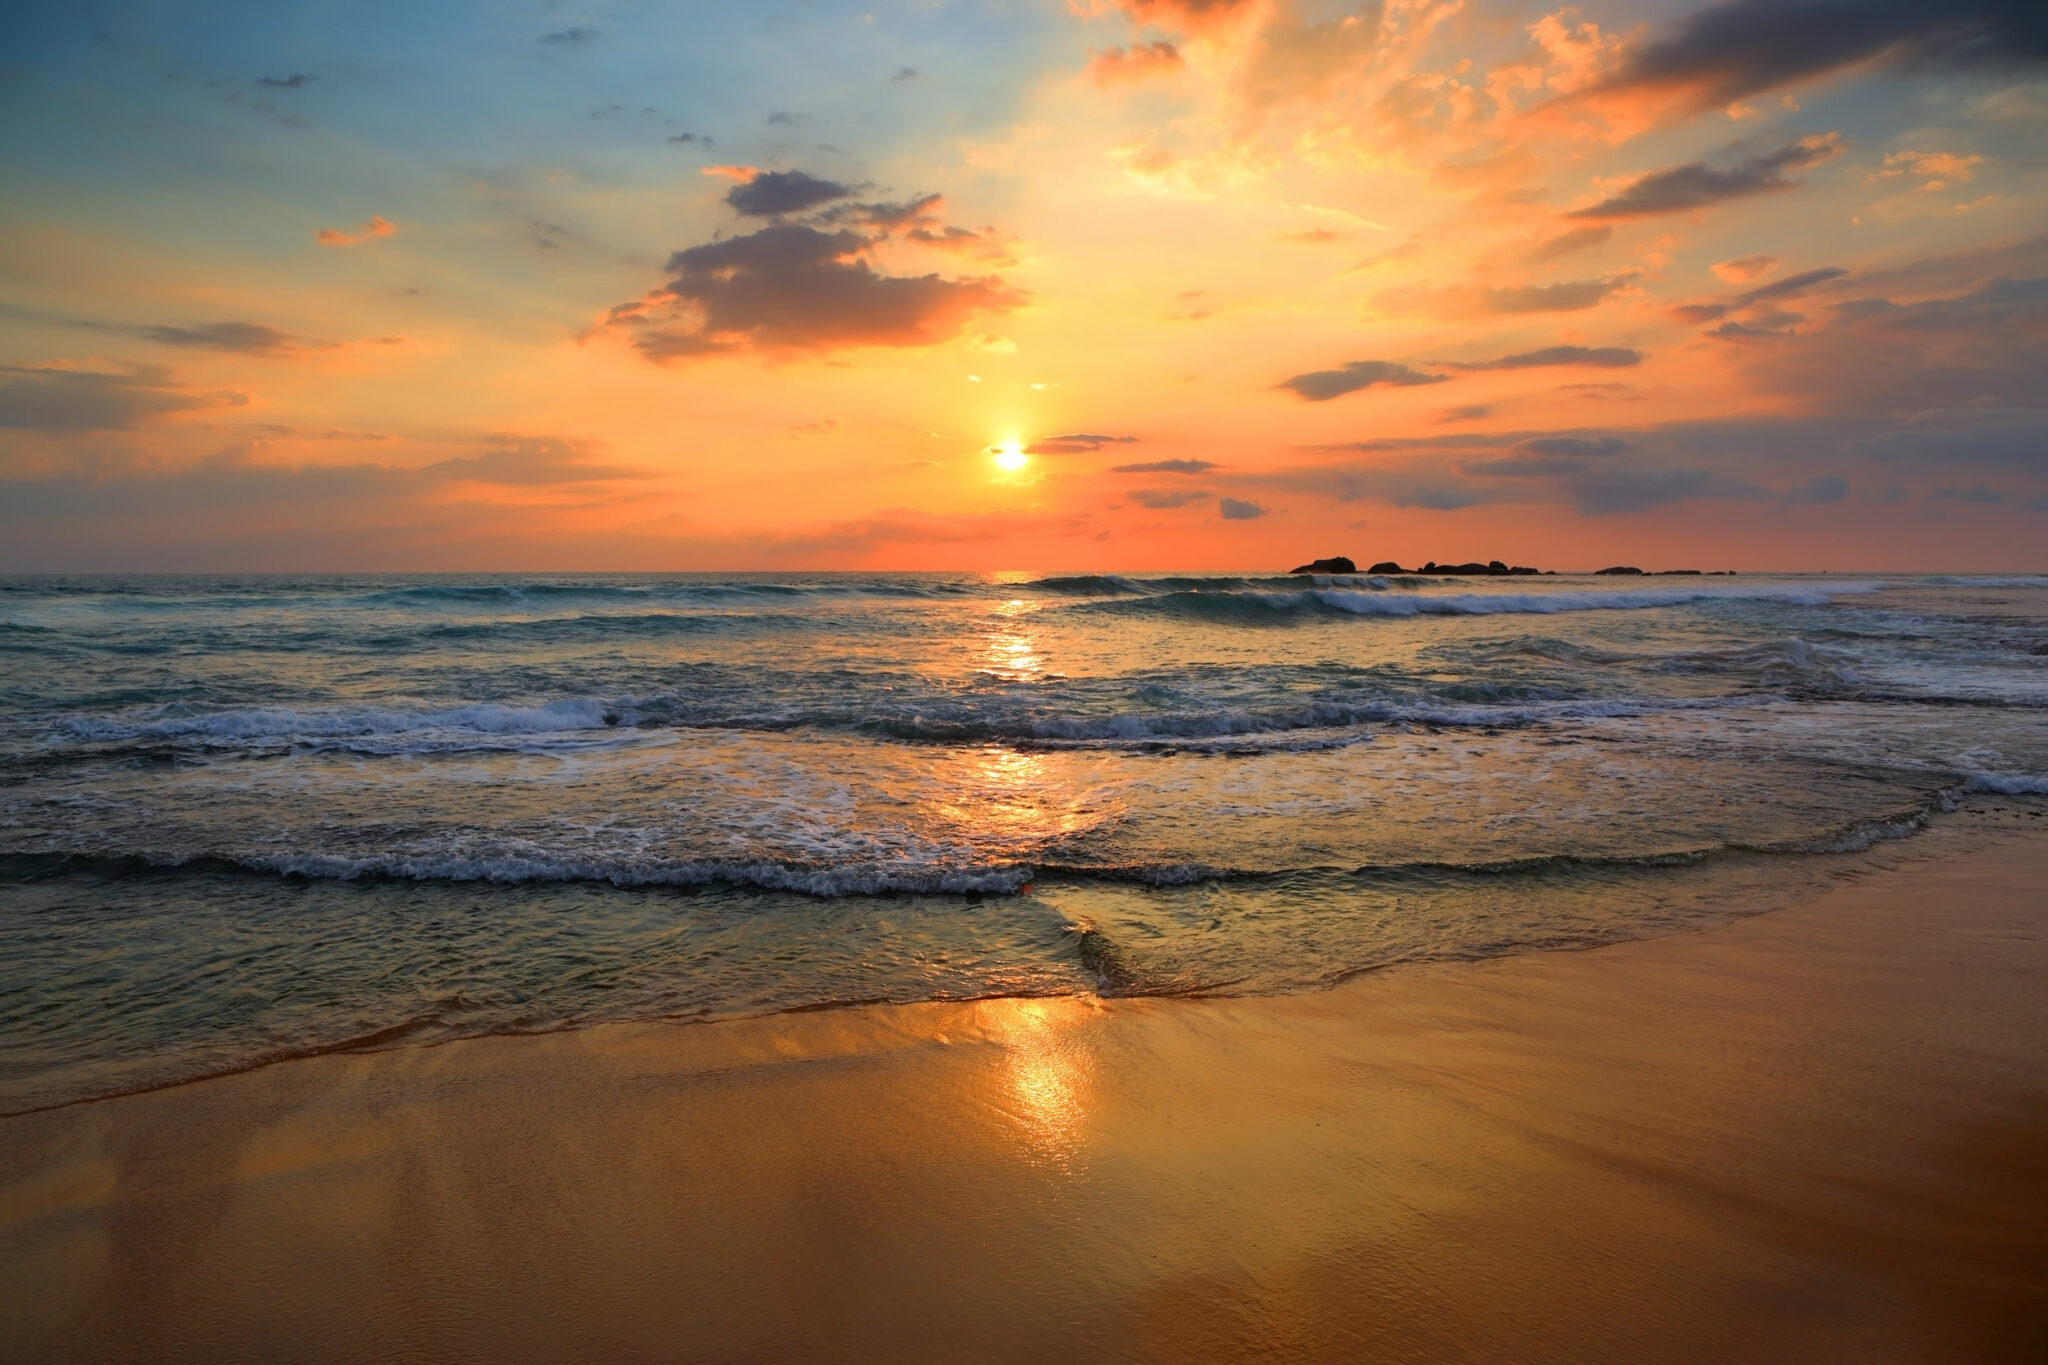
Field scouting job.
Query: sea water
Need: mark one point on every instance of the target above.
(245, 818)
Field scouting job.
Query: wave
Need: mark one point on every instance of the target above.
(923, 877)
(1968, 581)
(574, 713)
(1253, 607)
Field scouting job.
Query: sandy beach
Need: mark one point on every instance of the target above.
(1816, 1135)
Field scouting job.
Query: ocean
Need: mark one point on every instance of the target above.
(249, 818)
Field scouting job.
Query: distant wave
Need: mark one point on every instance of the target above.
(1251, 607)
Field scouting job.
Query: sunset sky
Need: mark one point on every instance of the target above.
(1045, 284)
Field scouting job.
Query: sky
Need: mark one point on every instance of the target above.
(538, 285)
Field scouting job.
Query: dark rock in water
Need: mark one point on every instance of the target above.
(1620, 568)
(1492, 568)
(1337, 564)
(1678, 573)
(1386, 566)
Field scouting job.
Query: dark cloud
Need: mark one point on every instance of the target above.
(1600, 357)
(1166, 467)
(1575, 447)
(906, 73)
(568, 37)
(1539, 466)
(1235, 509)
(1566, 296)
(1821, 491)
(61, 401)
(1935, 442)
(1791, 287)
(1982, 494)
(686, 138)
(1075, 443)
(251, 338)
(1162, 499)
(1984, 348)
(1565, 243)
(1697, 184)
(797, 287)
(1319, 386)
(1743, 47)
(296, 81)
(771, 194)
(1608, 491)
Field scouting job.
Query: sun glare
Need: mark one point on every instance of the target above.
(1010, 456)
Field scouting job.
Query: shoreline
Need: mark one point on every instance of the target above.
(1878, 843)
(1818, 1131)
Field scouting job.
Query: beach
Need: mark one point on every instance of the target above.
(1815, 1134)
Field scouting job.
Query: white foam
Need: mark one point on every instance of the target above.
(571, 714)
(2007, 784)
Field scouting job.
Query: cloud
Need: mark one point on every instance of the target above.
(1745, 47)
(1573, 446)
(1312, 237)
(771, 194)
(1600, 357)
(370, 228)
(1984, 348)
(1743, 269)
(905, 73)
(1166, 467)
(1319, 386)
(1534, 467)
(795, 287)
(1565, 243)
(1138, 62)
(66, 401)
(1609, 491)
(1791, 287)
(1981, 494)
(1564, 296)
(1075, 443)
(568, 37)
(1163, 499)
(526, 461)
(1697, 184)
(249, 338)
(298, 80)
(1234, 509)
(1183, 14)
(1826, 489)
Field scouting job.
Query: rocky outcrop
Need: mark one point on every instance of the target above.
(1620, 569)
(1335, 564)
(1492, 568)
(1386, 566)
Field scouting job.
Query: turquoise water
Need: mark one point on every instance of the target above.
(243, 818)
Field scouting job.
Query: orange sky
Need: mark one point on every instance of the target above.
(1245, 282)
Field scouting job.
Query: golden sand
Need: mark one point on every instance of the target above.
(1816, 1135)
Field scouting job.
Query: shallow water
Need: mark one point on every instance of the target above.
(248, 817)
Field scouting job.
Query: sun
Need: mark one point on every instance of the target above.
(1009, 456)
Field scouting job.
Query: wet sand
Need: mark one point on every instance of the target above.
(1816, 1135)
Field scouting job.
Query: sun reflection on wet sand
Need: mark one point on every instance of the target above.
(1047, 1075)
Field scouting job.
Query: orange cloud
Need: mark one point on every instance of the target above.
(374, 226)
(1138, 62)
